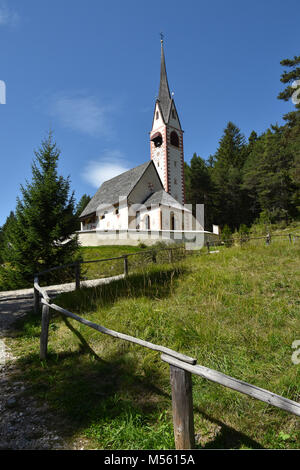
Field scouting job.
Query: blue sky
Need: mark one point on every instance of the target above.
(90, 72)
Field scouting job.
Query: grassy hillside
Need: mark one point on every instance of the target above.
(236, 311)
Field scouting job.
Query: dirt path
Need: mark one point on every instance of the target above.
(24, 423)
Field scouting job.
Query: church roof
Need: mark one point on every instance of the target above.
(111, 190)
(164, 198)
(164, 96)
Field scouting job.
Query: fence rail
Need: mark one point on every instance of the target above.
(76, 265)
(181, 368)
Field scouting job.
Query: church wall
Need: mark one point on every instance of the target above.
(192, 240)
(148, 184)
(176, 167)
(112, 220)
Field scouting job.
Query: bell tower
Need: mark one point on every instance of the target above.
(166, 138)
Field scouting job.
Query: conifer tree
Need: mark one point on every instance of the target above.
(231, 198)
(292, 79)
(42, 234)
(84, 200)
(200, 189)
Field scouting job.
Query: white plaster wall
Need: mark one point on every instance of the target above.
(157, 123)
(175, 173)
(192, 240)
(113, 221)
(148, 184)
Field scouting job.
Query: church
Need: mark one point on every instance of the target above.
(147, 203)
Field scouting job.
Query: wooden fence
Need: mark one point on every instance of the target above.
(171, 256)
(181, 368)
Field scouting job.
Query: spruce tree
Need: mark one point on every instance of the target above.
(200, 189)
(42, 234)
(291, 78)
(84, 200)
(231, 199)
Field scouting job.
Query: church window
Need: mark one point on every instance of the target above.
(138, 217)
(174, 139)
(147, 222)
(157, 139)
(157, 115)
(173, 114)
(175, 163)
(117, 211)
(172, 221)
(175, 181)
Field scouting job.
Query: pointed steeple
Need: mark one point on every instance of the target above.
(164, 95)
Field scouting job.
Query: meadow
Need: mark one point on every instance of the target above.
(236, 311)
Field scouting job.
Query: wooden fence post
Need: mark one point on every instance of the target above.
(36, 296)
(182, 406)
(44, 332)
(207, 244)
(77, 275)
(125, 265)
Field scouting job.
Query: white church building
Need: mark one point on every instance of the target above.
(147, 203)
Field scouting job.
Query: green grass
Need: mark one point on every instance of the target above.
(105, 269)
(236, 311)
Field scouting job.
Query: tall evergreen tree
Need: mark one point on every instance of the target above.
(4, 231)
(42, 235)
(200, 188)
(231, 198)
(84, 200)
(292, 79)
(267, 174)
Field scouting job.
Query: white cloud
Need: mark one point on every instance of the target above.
(7, 16)
(82, 113)
(110, 164)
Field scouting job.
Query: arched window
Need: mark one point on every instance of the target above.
(174, 139)
(157, 139)
(147, 222)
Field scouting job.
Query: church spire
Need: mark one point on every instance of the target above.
(164, 95)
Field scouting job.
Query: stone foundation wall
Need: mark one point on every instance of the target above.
(192, 239)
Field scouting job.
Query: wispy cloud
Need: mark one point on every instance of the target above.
(82, 113)
(8, 17)
(111, 163)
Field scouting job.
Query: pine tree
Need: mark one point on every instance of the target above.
(231, 199)
(200, 190)
(3, 234)
(292, 79)
(268, 176)
(84, 200)
(42, 234)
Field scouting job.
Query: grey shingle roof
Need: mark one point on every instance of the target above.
(162, 197)
(119, 186)
(164, 96)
